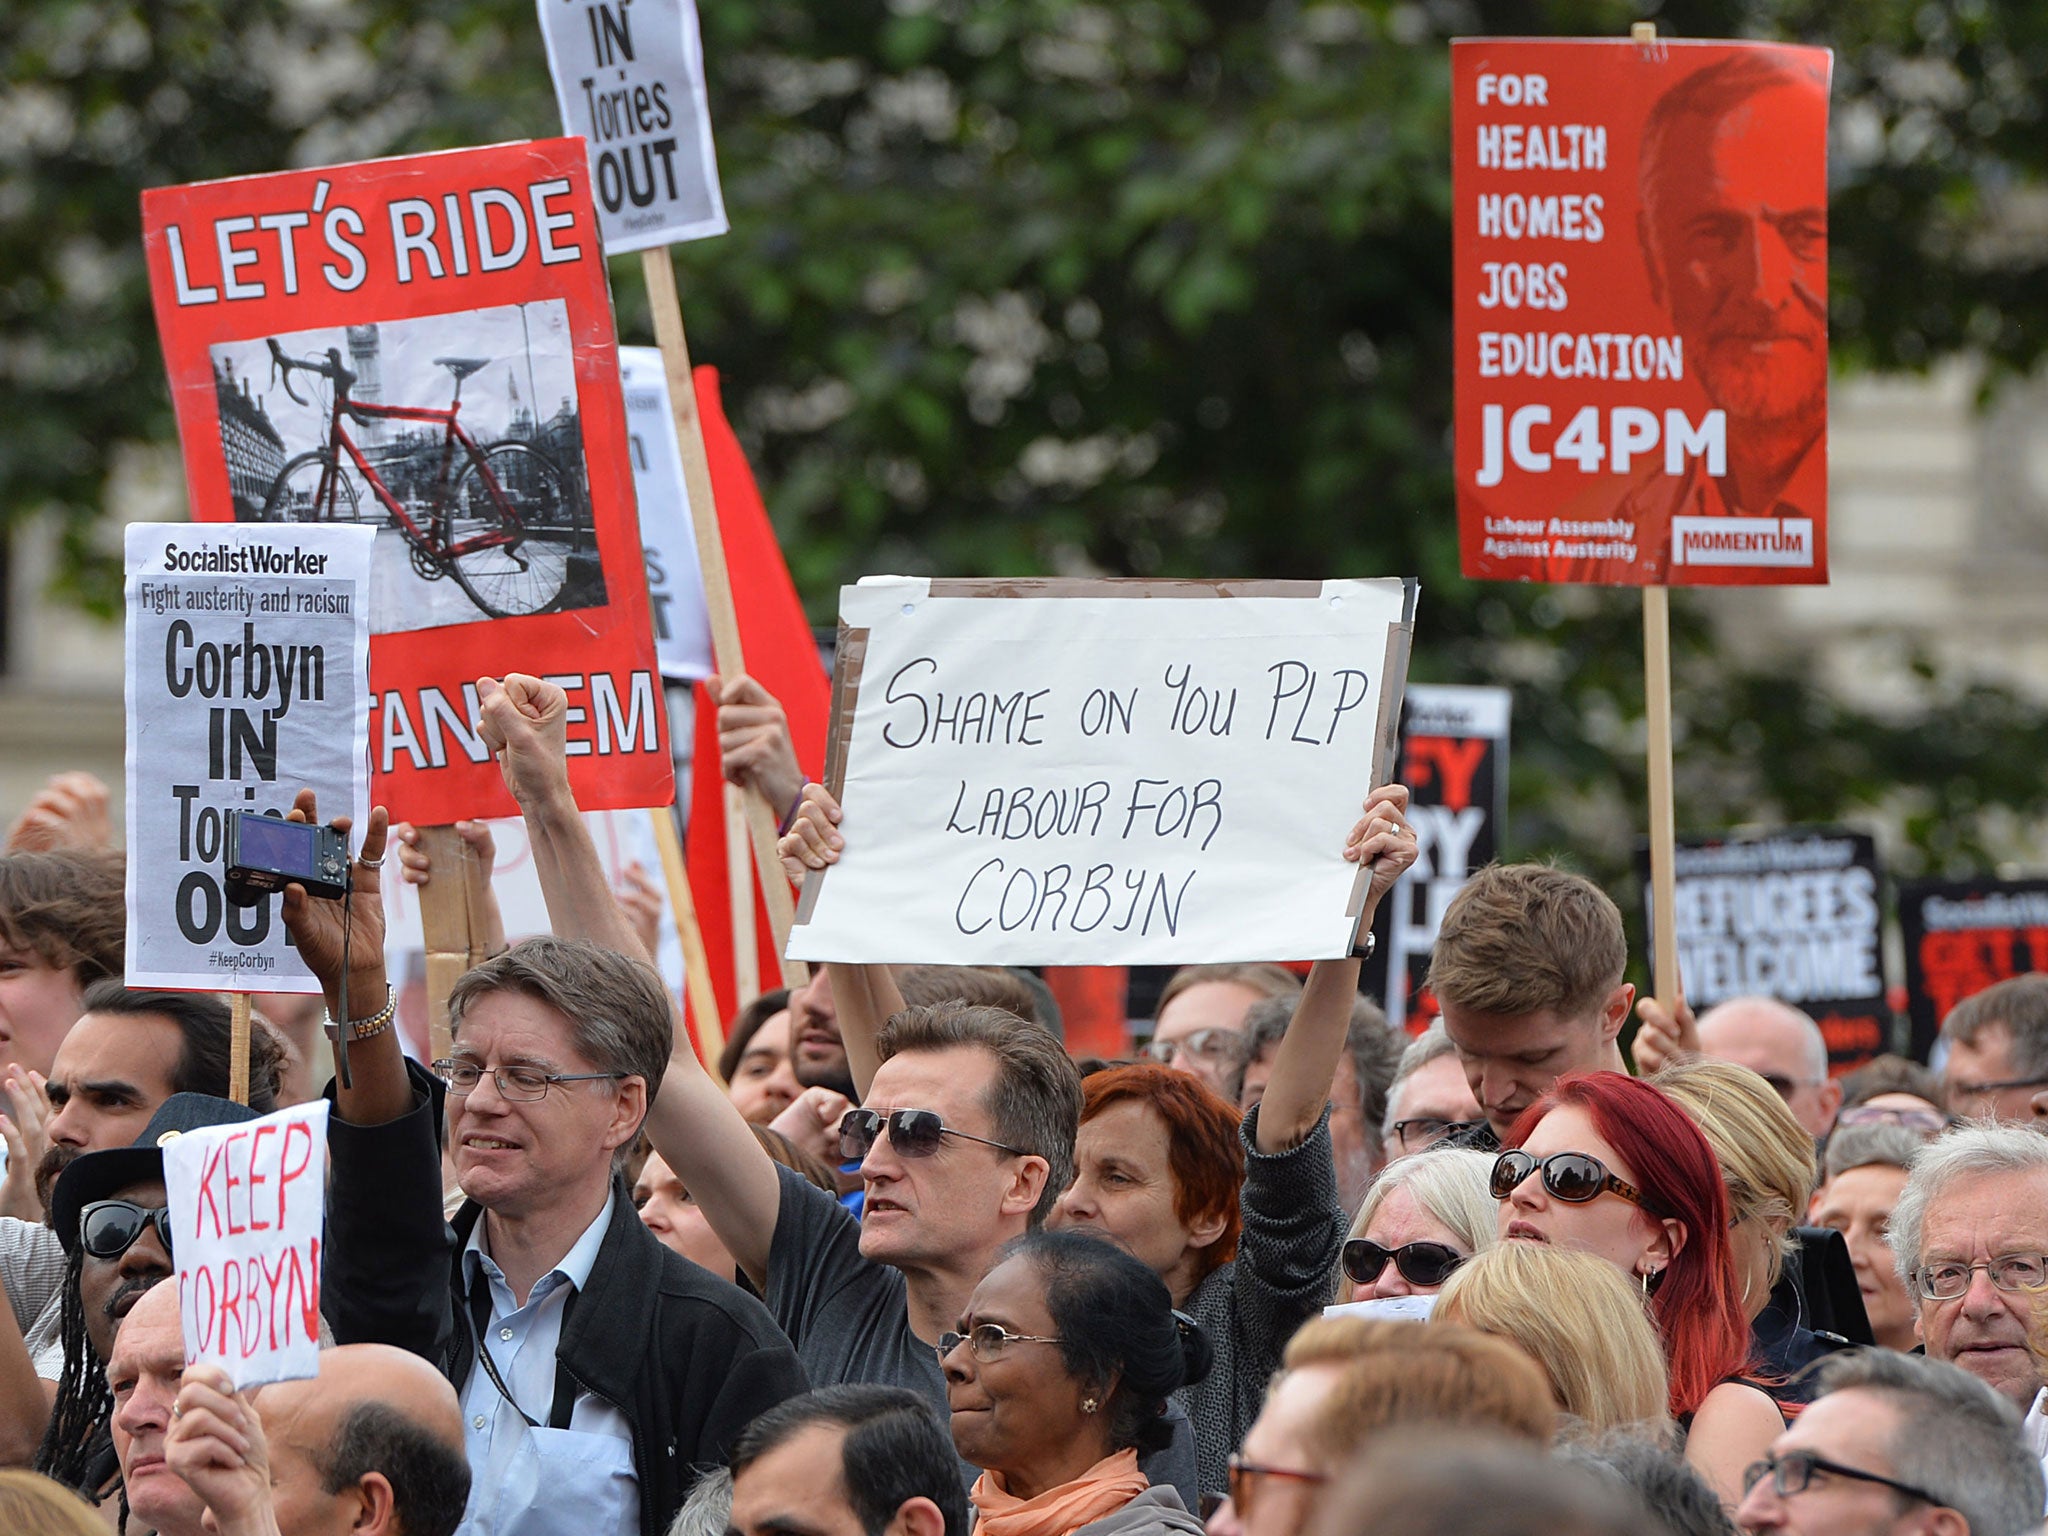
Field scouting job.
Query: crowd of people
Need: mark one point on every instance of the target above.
(899, 1262)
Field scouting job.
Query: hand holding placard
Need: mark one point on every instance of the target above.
(246, 1204)
(216, 1444)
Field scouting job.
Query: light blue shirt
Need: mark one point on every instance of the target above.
(540, 1482)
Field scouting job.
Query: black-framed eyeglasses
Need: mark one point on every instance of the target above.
(1417, 1263)
(1428, 1130)
(2008, 1272)
(987, 1341)
(108, 1228)
(1212, 1045)
(1574, 1177)
(1792, 1472)
(522, 1084)
(1245, 1475)
(1974, 1090)
(912, 1132)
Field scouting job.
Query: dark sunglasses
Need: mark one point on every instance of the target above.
(108, 1228)
(1417, 1263)
(912, 1132)
(1574, 1177)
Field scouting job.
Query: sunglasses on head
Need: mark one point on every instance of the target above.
(1417, 1263)
(912, 1132)
(108, 1228)
(1574, 1177)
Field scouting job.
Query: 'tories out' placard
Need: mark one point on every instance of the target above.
(629, 76)
(246, 1206)
(1104, 772)
(1641, 274)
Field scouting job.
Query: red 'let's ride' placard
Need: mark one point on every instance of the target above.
(424, 346)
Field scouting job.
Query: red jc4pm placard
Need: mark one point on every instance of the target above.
(1641, 279)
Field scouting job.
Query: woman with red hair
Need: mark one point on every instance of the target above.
(1611, 1166)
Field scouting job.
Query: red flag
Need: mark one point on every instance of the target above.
(782, 656)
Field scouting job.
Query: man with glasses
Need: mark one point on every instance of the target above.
(1783, 1046)
(1201, 1013)
(109, 1213)
(1430, 1098)
(1997, 1051)
(1969, 1234)
(598, 1372)
(1896, 1446)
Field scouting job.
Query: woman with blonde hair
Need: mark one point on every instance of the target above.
(1425, 1215)
(34, 1505)
(1581, 1321)
(1769, 1170)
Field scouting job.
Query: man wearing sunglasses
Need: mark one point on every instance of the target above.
(110, 1214)
(1896, 1446)
(1997, 1051)
(1527, 968)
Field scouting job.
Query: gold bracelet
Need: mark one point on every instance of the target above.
(375, 1024)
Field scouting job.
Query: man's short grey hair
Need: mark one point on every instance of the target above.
(707, 1508)
(2020, 1003)
(618, 1009)
(1431, 1045)
(1956, 1438)
(1979, 1149)
(1872, 1146)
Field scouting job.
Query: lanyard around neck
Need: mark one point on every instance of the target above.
(564, 1404)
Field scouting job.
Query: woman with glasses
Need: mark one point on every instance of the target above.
(1890, 1090)
(1057, 1376)
(1423, 1217)
(1607, 1165)
(1576, 1317)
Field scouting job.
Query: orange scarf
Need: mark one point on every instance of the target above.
(1105, 1487)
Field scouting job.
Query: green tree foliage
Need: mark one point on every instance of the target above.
(1136, 286)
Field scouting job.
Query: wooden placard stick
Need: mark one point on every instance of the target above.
(239, 1005)
(696, 968)
(761, 818)
(1665, 980)
(739, 884)
(446, 910)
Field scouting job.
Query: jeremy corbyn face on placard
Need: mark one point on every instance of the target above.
(1734, 236)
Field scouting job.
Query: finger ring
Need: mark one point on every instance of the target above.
(369, 863)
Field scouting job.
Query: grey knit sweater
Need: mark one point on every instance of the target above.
(1284, 1274)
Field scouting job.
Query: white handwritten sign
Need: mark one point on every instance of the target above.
(629, 75)
(246, 1205)
(675, 586)
(1083, 773)
(248, 677)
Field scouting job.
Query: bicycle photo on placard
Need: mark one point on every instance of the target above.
(456, 436)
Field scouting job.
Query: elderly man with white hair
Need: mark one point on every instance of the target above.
(1970, 1237)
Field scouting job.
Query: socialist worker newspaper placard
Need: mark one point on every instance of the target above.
(248, 660)
(424, 347)
(1641, 274)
